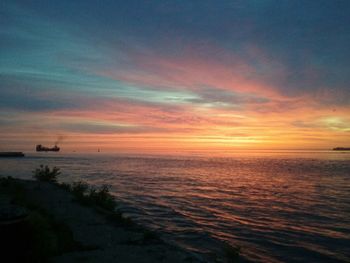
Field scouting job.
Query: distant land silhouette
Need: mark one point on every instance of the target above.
(341, 149)
(11, 154)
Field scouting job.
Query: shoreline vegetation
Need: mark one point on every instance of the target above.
(80, 223)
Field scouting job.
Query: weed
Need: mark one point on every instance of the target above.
(45, 174)
(102, 198)
(79, 189)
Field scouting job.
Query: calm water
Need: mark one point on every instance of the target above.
(278, 206)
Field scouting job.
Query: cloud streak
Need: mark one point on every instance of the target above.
(229, 74)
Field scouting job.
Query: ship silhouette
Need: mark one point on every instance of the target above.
(40, 148)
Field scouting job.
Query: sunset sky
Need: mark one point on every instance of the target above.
(175, 75)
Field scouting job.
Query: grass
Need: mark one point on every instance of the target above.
(49, 237)
(40, 236)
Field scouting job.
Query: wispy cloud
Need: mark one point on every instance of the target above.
(167, 74)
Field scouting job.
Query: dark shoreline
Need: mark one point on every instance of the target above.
(107, 236)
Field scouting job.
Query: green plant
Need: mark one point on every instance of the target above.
(102, 198)
(45, 174)
(89, 195)
(48, 237)
(79, 188)
(40, 236)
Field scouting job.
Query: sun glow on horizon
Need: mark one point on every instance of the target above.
(210, 84)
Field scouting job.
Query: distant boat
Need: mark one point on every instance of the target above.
(11, 154)
(40, 148)
(341, 149)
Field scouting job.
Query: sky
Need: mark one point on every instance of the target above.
(174, 75)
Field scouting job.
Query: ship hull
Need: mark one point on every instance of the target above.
(40, 148)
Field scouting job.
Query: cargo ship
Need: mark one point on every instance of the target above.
(40, 148)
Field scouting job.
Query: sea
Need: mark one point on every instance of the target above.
(276, 206)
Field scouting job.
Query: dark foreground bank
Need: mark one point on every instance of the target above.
(49, 224)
